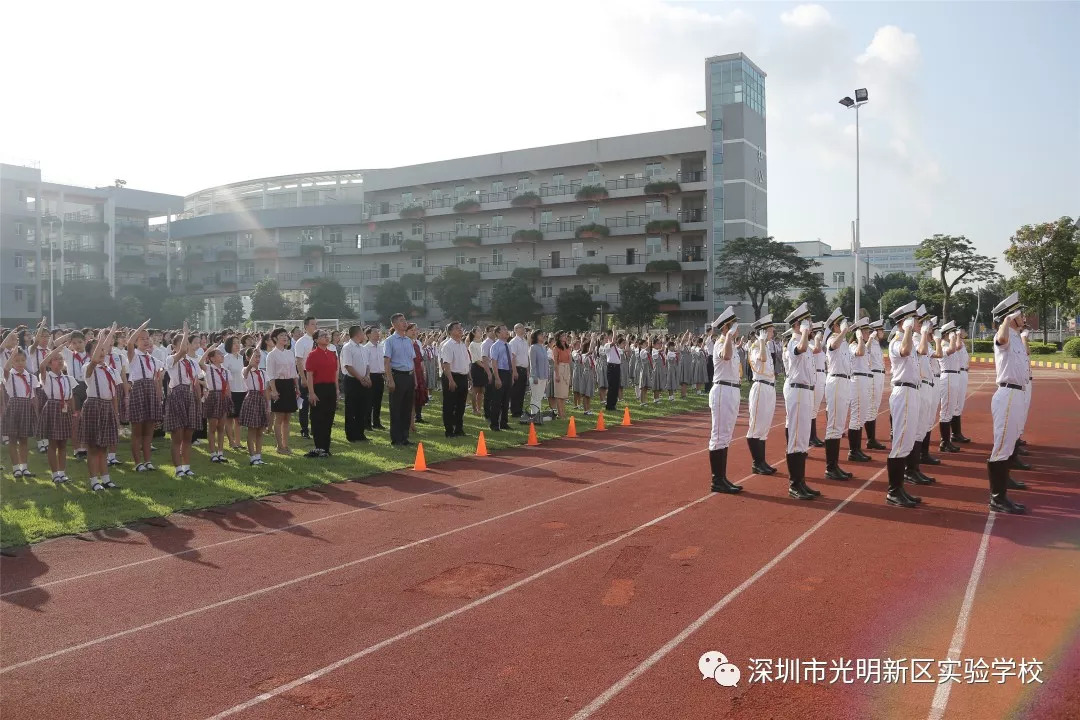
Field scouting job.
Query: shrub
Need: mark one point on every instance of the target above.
(467, 205)
(1072, 348)
(662, 226)
(592, 192)
(586, 269)
(526, 199)
(1041, 348)
(412, 211)
(526, 273)
(413, 281)
(413, 245)
(467, 240)
(662, 187)
(592, 230)
(983, 346)
(663, 266)
(310, 247)
(527, 236)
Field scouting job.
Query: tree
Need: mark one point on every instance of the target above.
(130, 312)
(930, 294)
(512, 302)
(455, 291)
(234, 312)
(176, 310)
(780, 306)
(953, 254)
(637, 303)
(868, 304)
(893, 280)
(755, 267)
(574, 310)
(894, 298)
(85, 303)
(151, 299)
(1042, 256)
(326, 299)
(815, 300)
(267, 302)
(962, 305)
(390, 298)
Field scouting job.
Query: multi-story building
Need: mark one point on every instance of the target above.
(583, 214)
(890, 258)
(90, 233)
(835, 270)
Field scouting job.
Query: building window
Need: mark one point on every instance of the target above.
(309, 267)
(545, 289)
(18, 229)
(523, 185)
(590, 253)
(545, 216)
(18, 261)
(459, 257)
(459, 191)
(418, 228)
(594, 288)
(418, 261)
(436, 195)
(249, 240)
(838, 278)
(653, 169)
(592, 214)
(652, 207)
(496, 221)
(18, 298)
(558, 180)
(496, 256)
(652, 245)
(334, 238)
(406, 198)
(459, 224)
(417, 295)
(577, 249)
(496, 186)
(230, 240)
(592, 177)
(247, 269)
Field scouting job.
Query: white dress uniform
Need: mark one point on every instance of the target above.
(959, 398)
(1027, 385)
(1008, 407)
(762, 399)
(877, 369)
(799, 402)
(837, 389)
(949, 382)
(904, 403)
(723, 397)
(862, 409)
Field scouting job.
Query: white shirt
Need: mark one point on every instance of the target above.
(75, 362)
(374, 357)
(485, 349)
(217, 377)
(101, 383)
(20, 385)
(725, 370)
(457, 355)
(873, 350)
(255, 380)
(613, 356)
(34, 357)
(519, 351)
(904, 369)
(117, 361)
(302, 346)
(280, 365)
(234, 364)
(143, 366)
(162, 354)
(839, 359)
(1011, 361)
(57, 387)
(356, 357)
(476, 351)
(183, 372)
(761, 361)
(801, 367)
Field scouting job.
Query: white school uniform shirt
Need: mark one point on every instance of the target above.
(801, 367)
(218, 377)
(234, 364)
(75, 362)
(1011, 361)
(255, 380)
(761, 362)
(873, 350)
(725, 370)
(183, 372)
(117, 362)
(904, 369)
(859, 364)
(143, 366)
(101, 382)
(20, 384)
(57, 387)
(161, 353)
(34, 357)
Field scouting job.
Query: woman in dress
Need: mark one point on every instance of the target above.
(255, 410)
(20, 417)
(587, 377)
(476, 371)
(98, 422)
(233, 362)
(561, 359)
(117, 361)
(282, 377)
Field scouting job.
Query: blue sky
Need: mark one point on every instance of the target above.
(973, 126)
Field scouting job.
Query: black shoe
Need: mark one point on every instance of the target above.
(1021, 441)
(422, 421)
(378, 427)
(359, 439)
(834, 473)
(917, 478)
(899, 499)
(1002, 504)
(504, 427)
(1021, 451)
(718, 466)
(460, 433)
(913, 498)
(930, 460)
(1015, 484)
(858, 456)
(495, 428)
(1020, 464)
(949, 448)
(874, 445)
(815, 442)
(305, 434)
(809, 490)
(797, 492)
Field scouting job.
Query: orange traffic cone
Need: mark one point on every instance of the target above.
(532, 435)
(626, 415)
(481, 446)
(571, 431)
(419, 464)
(600, 422)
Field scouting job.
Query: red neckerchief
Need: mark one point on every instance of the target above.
(80, 358)
(25, 377)
(60, 382)
(146, 361)
(663, 358)
(191, 373)
(109, 377)
(258, 375)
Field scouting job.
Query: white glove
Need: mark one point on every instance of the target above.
(733, 331)
(1025, 334)
(805, 325)
(844, 326)
(909, 323)
(763, 335)
(1016, 315)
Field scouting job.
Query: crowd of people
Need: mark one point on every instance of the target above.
(843, 363)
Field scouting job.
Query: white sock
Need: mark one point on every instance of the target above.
(111, 456)
(252, 457)
(105, 478)
(92, 481)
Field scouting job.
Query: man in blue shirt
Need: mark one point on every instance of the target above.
(398, 354)
(504, 373)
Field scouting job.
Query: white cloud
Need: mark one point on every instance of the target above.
(894, 47)
(806, 16)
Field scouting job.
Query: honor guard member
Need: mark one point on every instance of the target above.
(960, 398)
(837, 392)
(949, 384)
(877, 387)
(762, 393)
(903, 403)
(1011, 366)
(861, 410)
(1016, 461)
(818, 359)
(929, 392)
(799, 400)
(922, 409)
(723, 399)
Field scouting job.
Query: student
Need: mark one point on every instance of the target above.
(145, 406)
(54, 420)
(233, 363)
(19, 412)
(117, 362)
(182, 416)
(98, 421)
(284, 388)
(75, 357)
(218, 401)
(255, 411)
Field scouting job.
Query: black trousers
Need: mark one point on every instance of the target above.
(517, 392)
(453, 403)
(375, 395)
(322, 415)
(401, 405)
(357, 408)
(708, 372)
(614, 383)
(305, 408)
(488, 395)
(500, 400)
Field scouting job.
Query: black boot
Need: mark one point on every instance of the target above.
(913, 474)
(999, 500)
(832, 459)
(802, 476)
(1012, 484)
(796, 463)
(815, 441)
(1015, 460)
(890, 426)
(926, 456)
(757, 451)
(871, 436)
(764, 462)
(957, 435)
(855, 453)
(946, 433)
(720, 483)
(896, 494)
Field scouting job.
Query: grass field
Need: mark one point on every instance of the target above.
(1052, 357)
(34, 509)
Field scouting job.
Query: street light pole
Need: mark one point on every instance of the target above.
(861, 98)
(52, 271)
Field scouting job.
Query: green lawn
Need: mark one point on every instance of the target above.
(34, 509)
(1052, 357)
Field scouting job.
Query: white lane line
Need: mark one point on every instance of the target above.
(1067, 382)
(708, 615)
(956, 645)
(327, 571)
(332, 516)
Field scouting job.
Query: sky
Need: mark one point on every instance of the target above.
(973, 124)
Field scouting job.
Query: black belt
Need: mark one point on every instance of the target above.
(766, 382)
(878, 371)
(724, 382)
(937, 376)
(927, 382)
(404, 372)
(821, 371)
(951, 372)
(861, 375)
(905, 384)
(379, 374)
(963, 369)
(846, 377)
(801, 386)
(1011, 386)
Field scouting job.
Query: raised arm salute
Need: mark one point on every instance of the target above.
(98, 423)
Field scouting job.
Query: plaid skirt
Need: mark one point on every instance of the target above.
(19, 417)
(217, 405)
(97, 423)
(181, 410)
(254, 413)
(53, 422)
(144, 402)
(122, 404)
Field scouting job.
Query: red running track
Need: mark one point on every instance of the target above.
(580, 579)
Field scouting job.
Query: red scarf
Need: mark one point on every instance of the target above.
(25, 377)
(258, 375)
(60, 383)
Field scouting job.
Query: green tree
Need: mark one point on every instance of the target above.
(176, 310)
(574, 310)
(512, 302)
(868, 301)
(267, 302)
(953, 254)
(455, 291)
(130, 312)
(390, 298)
(637, 303)
(327, 299)
(930, 294)
(756, 267)
(890, 281)
(894, 298)
(150, 298)
(85, 303)
(815, 300)
(962, 306)
(233, 316)
(780, 306)
(1042, 256)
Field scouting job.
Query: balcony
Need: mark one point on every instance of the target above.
(610, 300)
(562, 229)
(693, 258)
(385, 243)
(693, 219)
(496, 271)
(692, 300)
(563, 267)
(130, 251)
(619, 265)
(560, 193)
(627, 224)
(691, 177)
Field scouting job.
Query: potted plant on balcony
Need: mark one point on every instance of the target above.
(661, 227)
(468, 205)
(664, 266)
(526, 273)
(411, 212)
(526, 199)
(226, 254)
(592, 269)
(669, 305)
(266, 251)
(227, 285)
(591, 193)
(467, 238)
(310, 246)
(413, 245)
(529, 236)
(592, 231)
(413, 281)
(662, 187)
(194, 286)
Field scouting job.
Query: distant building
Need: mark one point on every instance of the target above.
(890, 258)
(835, 269)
